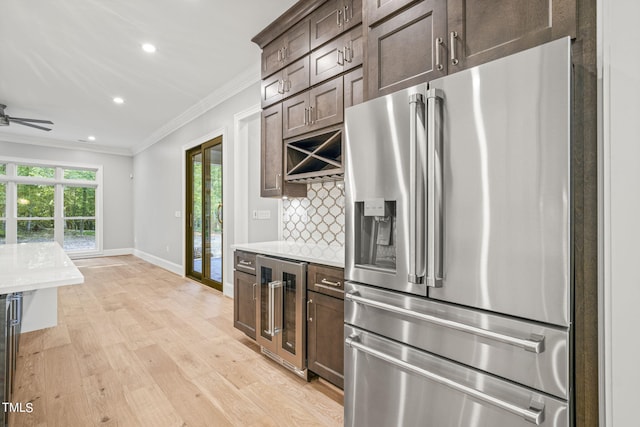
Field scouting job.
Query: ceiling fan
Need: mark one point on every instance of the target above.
(6, 120)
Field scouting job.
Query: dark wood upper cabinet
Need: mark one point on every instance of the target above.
(407, 48)
(285, 83)
(272, 183)
(285, 49)
(480, 31)
(353, 88)
(337, 56)
(377, 10)
(317, 108)
(333, 18)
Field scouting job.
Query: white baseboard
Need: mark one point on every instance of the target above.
(118, 252)
(107, 252)
(160, 262)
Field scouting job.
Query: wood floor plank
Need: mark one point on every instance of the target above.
(137, 345)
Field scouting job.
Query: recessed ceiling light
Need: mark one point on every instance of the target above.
(118, 100)
(148, 47)
(91, 138)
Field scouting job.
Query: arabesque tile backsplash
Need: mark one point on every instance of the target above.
(317, 218)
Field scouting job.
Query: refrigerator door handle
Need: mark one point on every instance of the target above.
(434, 188)
(533, 414)
(416, 190)
(534, 344)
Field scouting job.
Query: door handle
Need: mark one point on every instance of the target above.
(416, 190)
(272, 302)
(219, 213)
(532, 414)
(533, 344)
(437, 47)
(434, 189)
(452, 47)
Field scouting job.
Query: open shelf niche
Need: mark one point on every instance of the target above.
(316, 156)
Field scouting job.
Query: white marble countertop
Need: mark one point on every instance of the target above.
(311, 252)
(32, 266)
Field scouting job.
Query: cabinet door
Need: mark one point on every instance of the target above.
(285, 49)
(353, 88)
(244, 303)
(289, 81)
(292, 335)
(402, 51)
(297, 41)
(337, 56)
(483, 31)
(326, 104)
(272, 58)
(266, 307)
(325, 329)
(376, 10)
(271, 152)
(333, 18)
(272, 182)
(295, 115)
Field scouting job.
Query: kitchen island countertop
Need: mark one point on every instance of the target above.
(317, 253)
(33, 266)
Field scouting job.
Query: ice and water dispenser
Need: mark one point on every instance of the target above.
(375, 226)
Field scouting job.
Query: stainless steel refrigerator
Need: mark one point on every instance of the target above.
(459, 268)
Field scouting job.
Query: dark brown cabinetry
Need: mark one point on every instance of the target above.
(244, 293)
(353, 88)
(337, 56)
(285, 49)
(333, 18)
(306, 82)
(479, 32)
(325, 323)
(272, 183)
(317, 108)
(411, 42)
(406, 49)
(287, 82)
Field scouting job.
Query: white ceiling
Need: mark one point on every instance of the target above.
(66, 60)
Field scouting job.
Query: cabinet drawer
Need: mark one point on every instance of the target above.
(245, 261)
(333, 18)
(282, 51)
(377, 10)
(326, 280)
(287, 82)
(341, 54)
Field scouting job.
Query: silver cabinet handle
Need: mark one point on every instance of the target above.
(327, 282)
(311, 119)
(280, 55)
(254, 291)
(285, 53)
(281, 85)
(531, 414)
(346, 14)
(340, 57)
(338, 20)
(434, 189)
(306, 112)
(534, 344)
(416, 189)
(452, 47)
(278, 181)
(243, 262)
(309, 318)
(246, 265)
(17, 309)
(438, 46)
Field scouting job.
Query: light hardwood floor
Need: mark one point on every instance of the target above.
(136, 345)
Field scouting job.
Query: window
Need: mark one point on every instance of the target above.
(46, 202)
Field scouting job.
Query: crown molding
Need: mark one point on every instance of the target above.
(64, 144)
(217, 97)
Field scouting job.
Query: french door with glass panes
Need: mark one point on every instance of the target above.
(204, 213)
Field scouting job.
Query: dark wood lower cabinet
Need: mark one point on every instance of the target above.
(325, 337)
(244, 300)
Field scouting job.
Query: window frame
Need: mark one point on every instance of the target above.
(12, 180)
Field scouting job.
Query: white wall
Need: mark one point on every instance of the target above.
(159, 184)
(117, 187)
(620, 38)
